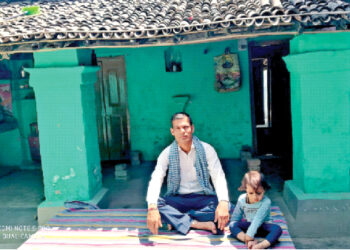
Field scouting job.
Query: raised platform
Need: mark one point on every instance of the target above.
(47, 210)
(317, 215)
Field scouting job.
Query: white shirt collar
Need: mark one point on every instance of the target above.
(192, 147)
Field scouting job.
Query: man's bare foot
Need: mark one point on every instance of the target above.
(170, 227)
(204, 225)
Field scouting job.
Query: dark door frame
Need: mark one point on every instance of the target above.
(273, 51)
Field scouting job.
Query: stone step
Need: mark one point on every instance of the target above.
(253, 164)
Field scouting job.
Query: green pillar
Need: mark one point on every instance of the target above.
(320, 96)
(65, 99)
(319, 193)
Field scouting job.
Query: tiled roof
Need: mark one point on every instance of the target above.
(137, 21)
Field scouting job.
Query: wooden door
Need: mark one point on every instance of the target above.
(112, 112)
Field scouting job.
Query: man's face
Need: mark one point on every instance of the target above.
(182, 130)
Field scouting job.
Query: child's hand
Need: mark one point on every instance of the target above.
(247, 238)
(251, 244)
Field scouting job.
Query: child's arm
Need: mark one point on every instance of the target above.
(237, 216)
(259, 217)
(237, 212)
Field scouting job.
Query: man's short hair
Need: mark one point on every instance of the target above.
(180, 115)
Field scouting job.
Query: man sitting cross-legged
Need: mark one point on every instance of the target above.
(190, 201)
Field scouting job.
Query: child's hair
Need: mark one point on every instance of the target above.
(254, 179)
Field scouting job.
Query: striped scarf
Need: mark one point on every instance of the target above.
(201, 166)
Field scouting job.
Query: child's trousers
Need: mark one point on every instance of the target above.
(270, 232)
(180, 210)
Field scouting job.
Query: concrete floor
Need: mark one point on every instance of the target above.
(20, 193)
(22, 190)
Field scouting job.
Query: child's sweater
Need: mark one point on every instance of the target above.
(256, 213)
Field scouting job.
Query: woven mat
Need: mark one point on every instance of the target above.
(126, 229)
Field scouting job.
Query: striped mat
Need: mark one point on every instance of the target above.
(127, 229)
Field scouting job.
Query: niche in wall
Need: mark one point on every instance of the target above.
(172, 57)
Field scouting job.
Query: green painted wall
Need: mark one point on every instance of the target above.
(320, 96)
(11, 150)
(320, 42)
(10, 142)
(15, 143)
(221, 119)
(64, 58)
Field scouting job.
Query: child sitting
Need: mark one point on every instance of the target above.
(255, 208)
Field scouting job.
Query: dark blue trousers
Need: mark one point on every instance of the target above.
(180, 210)
(270, 232)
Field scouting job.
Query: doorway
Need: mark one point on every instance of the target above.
(112, 109)
(270, 100)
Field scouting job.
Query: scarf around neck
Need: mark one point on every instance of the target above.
(201, 166)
